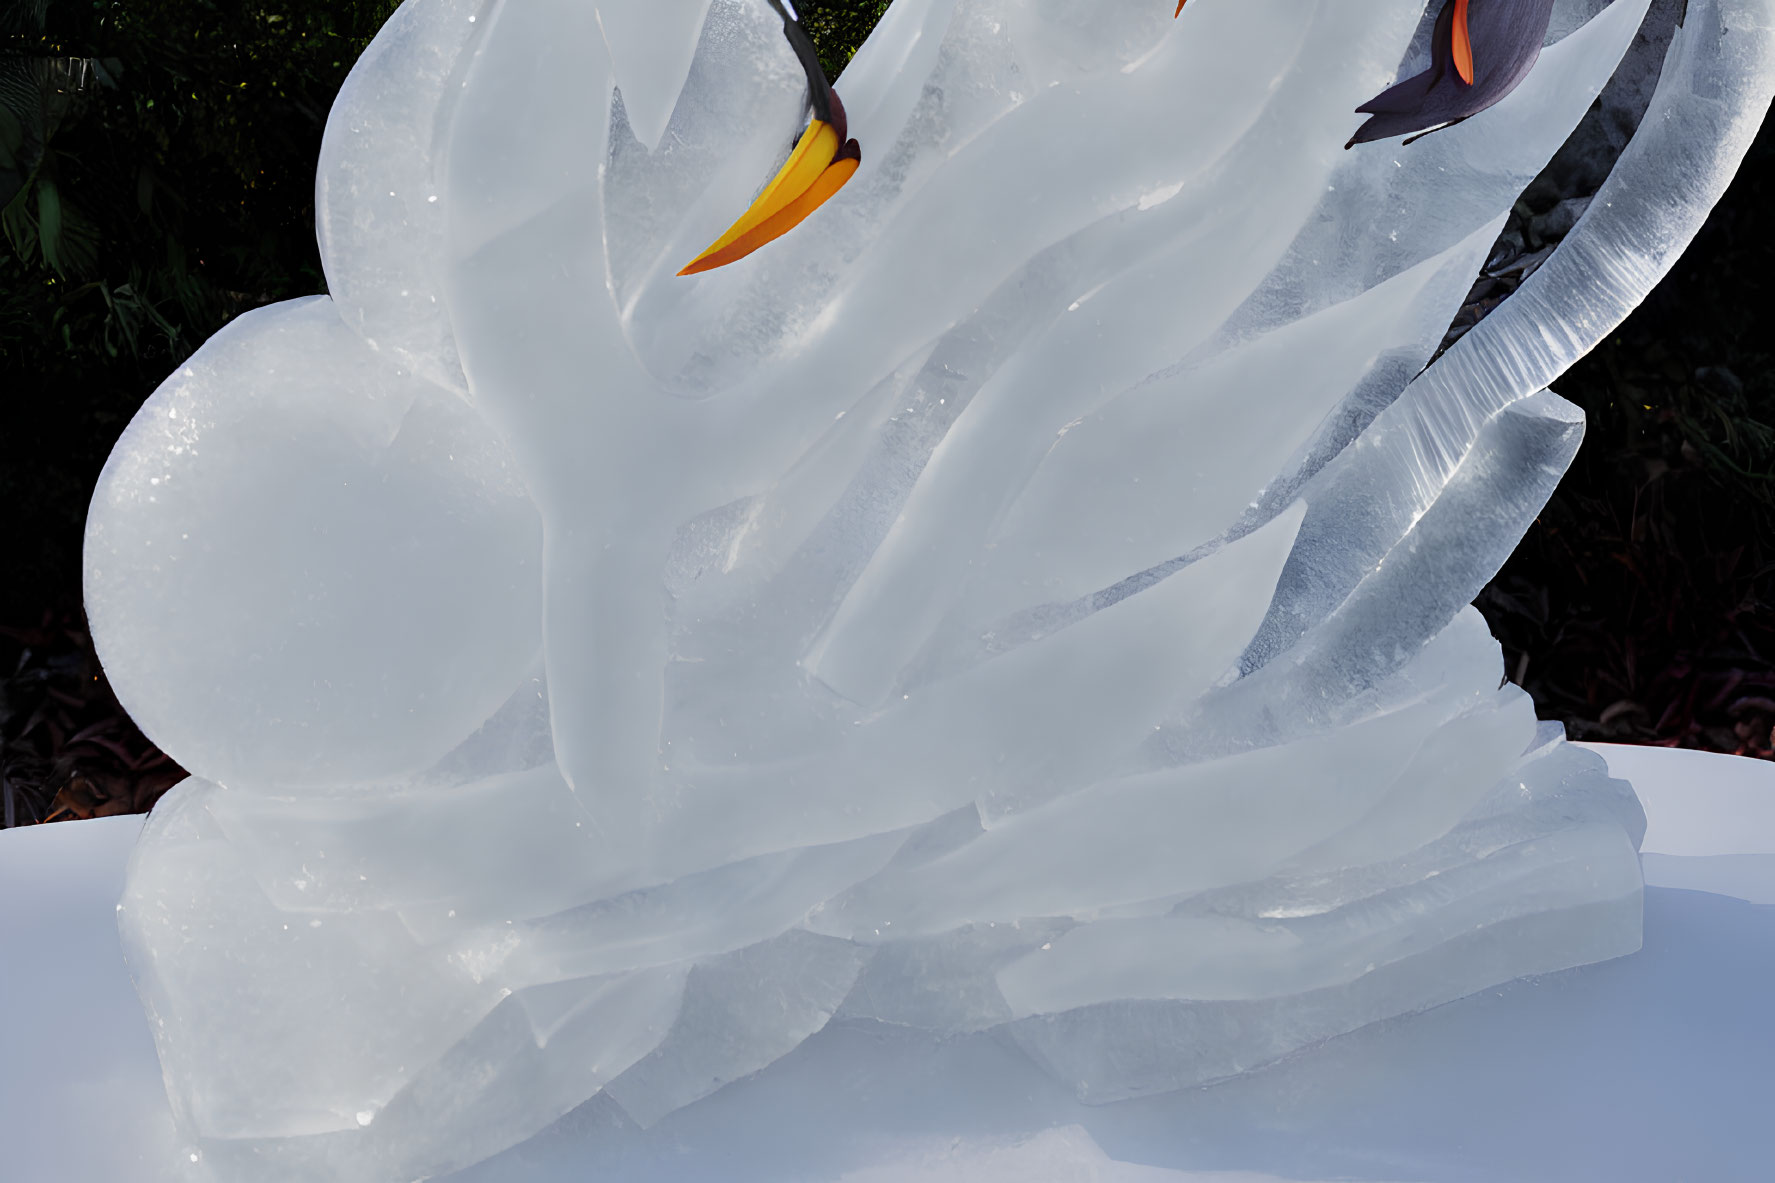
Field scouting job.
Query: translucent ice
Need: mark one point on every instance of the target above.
(1030, 595)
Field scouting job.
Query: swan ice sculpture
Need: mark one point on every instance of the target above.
(1029, 595)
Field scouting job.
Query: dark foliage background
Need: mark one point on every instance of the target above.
(156, 180)
(1641, 605)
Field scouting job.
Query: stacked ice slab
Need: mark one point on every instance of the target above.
(1031, 595)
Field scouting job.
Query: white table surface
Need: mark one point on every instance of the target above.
(1659, 1066)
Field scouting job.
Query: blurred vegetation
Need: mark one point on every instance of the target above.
(839, 27)
(156, 180)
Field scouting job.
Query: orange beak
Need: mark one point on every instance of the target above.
(1463, 44)
(823, 160)
(817, 168)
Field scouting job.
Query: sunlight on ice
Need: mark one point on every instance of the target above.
(1031, 595)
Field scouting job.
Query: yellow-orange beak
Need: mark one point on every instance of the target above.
(817, 169)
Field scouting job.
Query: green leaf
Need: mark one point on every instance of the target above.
(49, 222)
(19, 226)
(12, 138)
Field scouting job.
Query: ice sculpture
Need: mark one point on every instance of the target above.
(1031, 594)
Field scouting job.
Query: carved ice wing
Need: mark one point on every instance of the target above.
(1045, 718)
(1168, 466)
(1133, 229)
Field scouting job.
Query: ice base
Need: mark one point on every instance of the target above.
(1278, 910)
(1650, 1068)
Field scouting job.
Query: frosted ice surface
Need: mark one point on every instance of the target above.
(379, 212)
(650, 45)
(312, 542)
(1031, 596)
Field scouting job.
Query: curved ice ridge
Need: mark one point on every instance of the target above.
(1031, 595)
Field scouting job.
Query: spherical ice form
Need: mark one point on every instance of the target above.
(1029, 595)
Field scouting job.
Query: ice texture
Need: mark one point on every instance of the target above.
(1029, 597)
